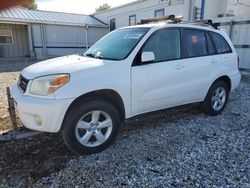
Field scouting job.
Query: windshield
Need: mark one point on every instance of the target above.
(117, 45)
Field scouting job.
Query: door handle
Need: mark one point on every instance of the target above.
(179, 66)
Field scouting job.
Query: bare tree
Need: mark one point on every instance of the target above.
(102, 7)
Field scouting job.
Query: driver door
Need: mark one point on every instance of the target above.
(162, 83)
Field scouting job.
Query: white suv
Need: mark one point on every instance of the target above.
(128, 72)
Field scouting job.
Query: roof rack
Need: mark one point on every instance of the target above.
(204, 23)
(172, 18)
(179, 19)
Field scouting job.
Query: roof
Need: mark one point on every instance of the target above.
(23, 15)
(179, 25)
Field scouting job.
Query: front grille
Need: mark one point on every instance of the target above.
(23, 83)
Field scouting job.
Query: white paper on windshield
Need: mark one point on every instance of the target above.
(132, 36)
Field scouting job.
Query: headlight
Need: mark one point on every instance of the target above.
(48, 84)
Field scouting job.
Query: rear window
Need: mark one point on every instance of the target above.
(220, 43)
(194, 42)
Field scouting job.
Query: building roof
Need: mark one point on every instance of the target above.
(23, 15)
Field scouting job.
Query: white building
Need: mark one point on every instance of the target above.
(132, 13)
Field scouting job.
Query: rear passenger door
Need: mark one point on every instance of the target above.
(198, 54)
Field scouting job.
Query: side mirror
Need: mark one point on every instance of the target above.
(147, 57)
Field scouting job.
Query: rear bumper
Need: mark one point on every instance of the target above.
(235, 81)
(50, 112)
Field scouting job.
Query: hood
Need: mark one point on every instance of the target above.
(65, 64)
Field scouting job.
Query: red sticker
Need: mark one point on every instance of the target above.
(194, 39)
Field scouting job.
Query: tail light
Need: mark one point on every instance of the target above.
(238, 59)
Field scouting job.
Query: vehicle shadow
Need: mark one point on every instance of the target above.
(166, 115)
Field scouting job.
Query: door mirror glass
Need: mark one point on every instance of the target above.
(147, 57)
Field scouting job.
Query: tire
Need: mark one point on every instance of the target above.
(216, 99)
(90, 127)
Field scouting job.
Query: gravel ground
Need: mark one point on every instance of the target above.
(179, 147)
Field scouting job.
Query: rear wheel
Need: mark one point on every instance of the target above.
(216, 99)
(90, 127)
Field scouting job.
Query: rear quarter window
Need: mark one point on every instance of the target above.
(220, 43)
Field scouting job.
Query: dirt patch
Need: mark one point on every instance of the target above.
(4, 123)
(9, 73)
(6, 80)
(23, 162)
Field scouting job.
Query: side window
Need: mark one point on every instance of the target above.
(210, 45)
(165, 44)
(221, 44)
(194, 43)
(112, 25)
(159, 12)
(6, 36)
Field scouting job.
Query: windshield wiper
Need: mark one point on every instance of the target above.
(89, 55)
(98, 55)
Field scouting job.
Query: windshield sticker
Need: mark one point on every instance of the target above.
(132, 36)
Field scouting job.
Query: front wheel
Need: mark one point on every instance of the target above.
(216, 99)
(90, 127)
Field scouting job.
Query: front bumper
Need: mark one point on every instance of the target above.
(51, 112)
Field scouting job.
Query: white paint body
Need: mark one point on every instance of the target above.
(142, 89)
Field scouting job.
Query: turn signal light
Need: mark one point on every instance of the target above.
(57, 83)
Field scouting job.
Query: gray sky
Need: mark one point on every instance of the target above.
(77, 6)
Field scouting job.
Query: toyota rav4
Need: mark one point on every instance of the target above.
(130, 71)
